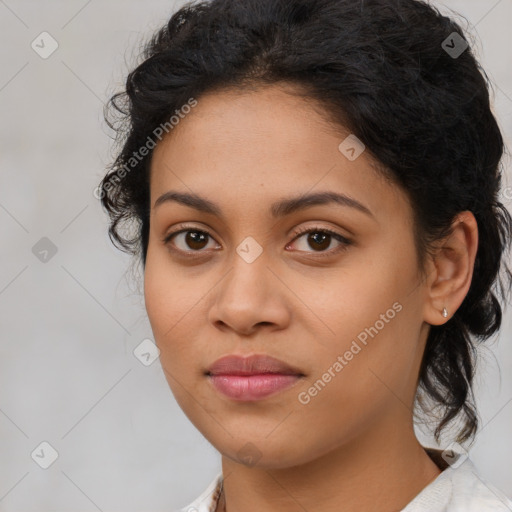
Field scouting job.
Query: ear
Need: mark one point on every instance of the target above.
(450, 270)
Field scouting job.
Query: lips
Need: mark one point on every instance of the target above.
(252, 365)
(251, 378)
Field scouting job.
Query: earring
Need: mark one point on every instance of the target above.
(445, 313)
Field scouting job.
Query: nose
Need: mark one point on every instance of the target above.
(250, 298)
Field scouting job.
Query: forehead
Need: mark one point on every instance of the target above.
(262, 145)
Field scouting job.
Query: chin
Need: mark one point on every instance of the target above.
(253, 450)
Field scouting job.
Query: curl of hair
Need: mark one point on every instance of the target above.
(377, 68)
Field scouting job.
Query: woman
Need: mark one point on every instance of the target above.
(314, 186)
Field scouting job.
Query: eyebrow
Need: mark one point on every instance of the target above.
(278, 209)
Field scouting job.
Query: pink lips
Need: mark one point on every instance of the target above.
(251, 378)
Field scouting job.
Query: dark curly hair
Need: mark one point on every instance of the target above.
(385, 69)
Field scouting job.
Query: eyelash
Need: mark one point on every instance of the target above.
(344, 242)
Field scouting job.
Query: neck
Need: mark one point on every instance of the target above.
(363, 475)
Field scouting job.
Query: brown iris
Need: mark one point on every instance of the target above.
(194, 239)
(319, 238)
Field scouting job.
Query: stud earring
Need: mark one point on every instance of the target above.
(445, 313)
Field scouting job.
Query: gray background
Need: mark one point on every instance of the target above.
(69, 325)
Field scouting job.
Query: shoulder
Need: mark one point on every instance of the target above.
(460, 489)
(207, 500)
(471, 492)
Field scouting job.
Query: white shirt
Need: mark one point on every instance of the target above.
(456, 489)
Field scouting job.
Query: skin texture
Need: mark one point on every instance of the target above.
(353, 442)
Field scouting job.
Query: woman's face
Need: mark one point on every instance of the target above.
(345, 313)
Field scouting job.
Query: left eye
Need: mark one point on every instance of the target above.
(320, 240)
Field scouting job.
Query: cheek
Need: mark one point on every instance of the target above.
(168, 302)
(158, 297)
(175, 304)
(168, 297)
(370, 349)
(168, 307)
(354, 384)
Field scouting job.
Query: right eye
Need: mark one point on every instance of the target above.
(188, 240)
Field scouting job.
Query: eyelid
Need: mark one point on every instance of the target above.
(316, 228)
(180, 228)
